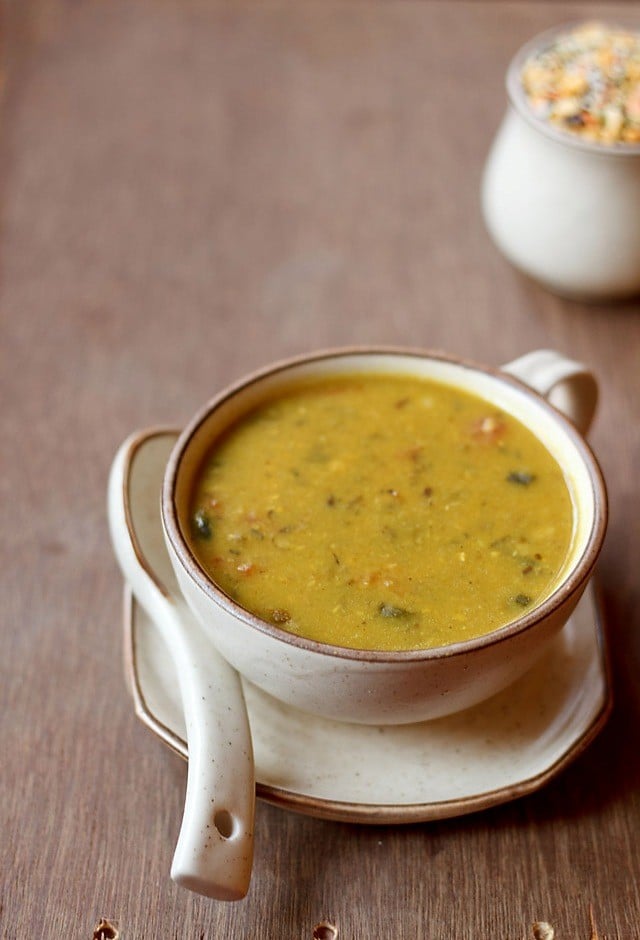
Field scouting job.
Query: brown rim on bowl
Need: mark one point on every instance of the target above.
(518, 99)
(573, 583)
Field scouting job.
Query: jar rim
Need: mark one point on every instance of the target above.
(518, 100)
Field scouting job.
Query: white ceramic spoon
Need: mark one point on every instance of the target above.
(214, 853)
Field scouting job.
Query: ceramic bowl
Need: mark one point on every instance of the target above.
(397, 687)
(562, 209)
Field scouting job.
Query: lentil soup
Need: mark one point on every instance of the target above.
(381, 512)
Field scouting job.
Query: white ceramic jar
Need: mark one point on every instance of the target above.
(564, 210)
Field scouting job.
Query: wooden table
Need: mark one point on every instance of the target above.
(191, 190)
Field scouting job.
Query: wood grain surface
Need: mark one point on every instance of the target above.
(191, 190)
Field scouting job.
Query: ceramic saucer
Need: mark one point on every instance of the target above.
(504, 748)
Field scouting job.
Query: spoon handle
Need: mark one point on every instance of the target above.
(214, 852)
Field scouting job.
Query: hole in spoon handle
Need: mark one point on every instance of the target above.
(225, 823)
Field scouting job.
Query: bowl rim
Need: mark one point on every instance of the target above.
(572, 585)
(518, 100)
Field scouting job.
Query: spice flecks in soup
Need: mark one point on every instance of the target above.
(381, 512)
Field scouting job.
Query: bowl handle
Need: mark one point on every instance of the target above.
(566, 384)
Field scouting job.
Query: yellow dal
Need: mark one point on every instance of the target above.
(381, 512)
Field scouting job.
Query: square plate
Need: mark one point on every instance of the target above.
(504, 748)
